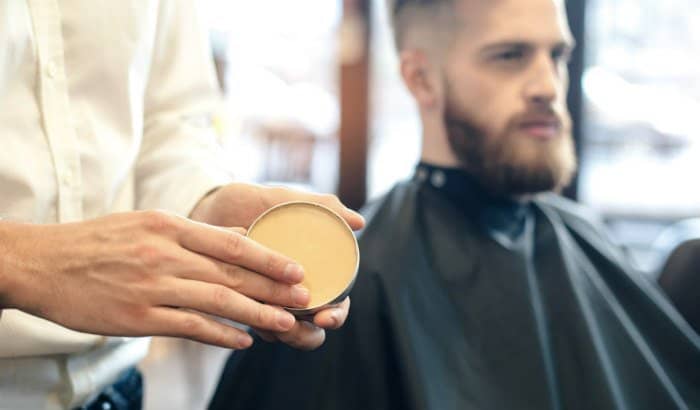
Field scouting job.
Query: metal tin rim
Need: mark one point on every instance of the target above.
(343, 294)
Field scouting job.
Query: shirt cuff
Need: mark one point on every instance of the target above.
(184, 190)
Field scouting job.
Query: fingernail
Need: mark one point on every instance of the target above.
(244, 340)
(300, 295)
(285, 320)
(293, 273)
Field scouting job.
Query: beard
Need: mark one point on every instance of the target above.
(510, 163)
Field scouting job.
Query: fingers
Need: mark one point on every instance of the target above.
(334, 317)
(248, 283)
(221, 301)
(238, 230)
(234, 248)
(354, 219)
(309, 336)
(279, 195)
(182, 323)
(265, 335)
(303, 336)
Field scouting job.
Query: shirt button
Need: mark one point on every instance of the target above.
(52, 69)
(106, 405)
(438, 179)
(421, 174)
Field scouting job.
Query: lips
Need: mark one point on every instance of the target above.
(541, 128)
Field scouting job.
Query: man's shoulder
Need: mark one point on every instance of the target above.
(389, 221)
(389, 213)
(577, 217)
(568, 208)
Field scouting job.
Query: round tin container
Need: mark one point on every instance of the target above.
(320, 241)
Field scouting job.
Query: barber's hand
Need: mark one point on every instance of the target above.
(309, 336)
(148, 274)
(240, 204)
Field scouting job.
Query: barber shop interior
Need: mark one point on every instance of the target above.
(349, 204)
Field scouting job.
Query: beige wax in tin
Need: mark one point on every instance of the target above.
(320, 241)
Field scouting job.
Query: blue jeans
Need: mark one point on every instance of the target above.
(125, 394)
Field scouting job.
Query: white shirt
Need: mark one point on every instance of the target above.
(105, 106)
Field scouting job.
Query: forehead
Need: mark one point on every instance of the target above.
(529, 21)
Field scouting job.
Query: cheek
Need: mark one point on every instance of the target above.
(488, 107)
(486, 99)
(498, 105)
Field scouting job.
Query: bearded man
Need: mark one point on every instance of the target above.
(480, 287)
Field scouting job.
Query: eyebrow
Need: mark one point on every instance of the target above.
(567, 45)
(399, 4)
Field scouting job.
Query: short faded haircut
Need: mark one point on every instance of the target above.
(413, 19)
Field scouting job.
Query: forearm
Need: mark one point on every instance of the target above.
(24, 261)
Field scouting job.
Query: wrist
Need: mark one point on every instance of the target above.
(17, 265)
(201, 211)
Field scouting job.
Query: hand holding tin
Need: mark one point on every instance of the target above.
(145, 274)
(242, 204)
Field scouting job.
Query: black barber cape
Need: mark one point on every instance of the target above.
(465, 301)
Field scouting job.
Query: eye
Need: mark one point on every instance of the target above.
(511, 55)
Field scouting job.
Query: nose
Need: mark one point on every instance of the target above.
(545, 81)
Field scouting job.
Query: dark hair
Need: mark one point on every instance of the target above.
(399, 10)
(398, 4)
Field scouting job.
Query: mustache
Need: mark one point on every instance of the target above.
(532, 115)
(538, 115)
(460, 128)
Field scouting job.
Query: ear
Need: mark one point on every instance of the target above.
(421, 78)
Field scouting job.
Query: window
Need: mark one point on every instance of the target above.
(641, 86)
(395, 129)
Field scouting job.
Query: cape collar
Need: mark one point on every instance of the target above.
(500, 216)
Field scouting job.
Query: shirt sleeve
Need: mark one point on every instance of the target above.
(180, 160)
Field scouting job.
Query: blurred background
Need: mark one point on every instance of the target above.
(313, 99)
